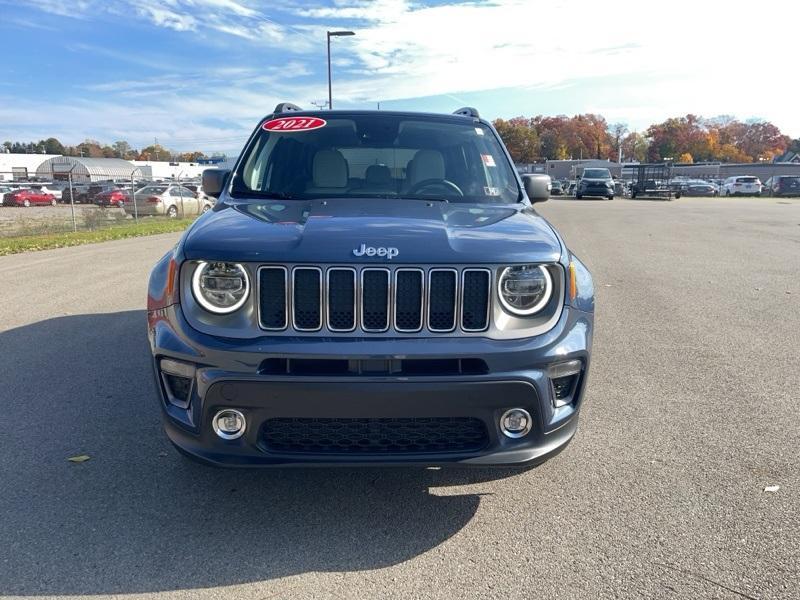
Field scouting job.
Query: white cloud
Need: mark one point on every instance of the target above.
(650, 62)
(706, 51)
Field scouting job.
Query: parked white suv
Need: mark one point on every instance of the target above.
(741, 186)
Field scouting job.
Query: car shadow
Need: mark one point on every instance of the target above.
(137, 517)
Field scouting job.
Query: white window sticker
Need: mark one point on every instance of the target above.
(488, 160)
(479, 131)
(491, 191)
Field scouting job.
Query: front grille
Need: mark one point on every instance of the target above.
(307, 298)
(377, 436)
(374, 300)
(442, 300)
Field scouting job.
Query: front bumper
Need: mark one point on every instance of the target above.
(231, 374)
(596, 190)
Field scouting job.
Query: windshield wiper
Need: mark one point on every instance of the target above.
(270, 195)
(423, 198)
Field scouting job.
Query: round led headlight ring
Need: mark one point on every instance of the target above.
(525, 290)
(220, 287)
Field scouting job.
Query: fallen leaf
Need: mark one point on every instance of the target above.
(772, 488)
(78, 459)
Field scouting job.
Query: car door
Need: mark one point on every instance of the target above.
(191, 200)
(38, 196)
(175, 199)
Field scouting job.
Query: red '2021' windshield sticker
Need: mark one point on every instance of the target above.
(294, 124)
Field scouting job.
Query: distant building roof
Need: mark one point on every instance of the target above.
(94, 168)
(788, 157)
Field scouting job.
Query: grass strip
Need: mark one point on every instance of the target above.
(47, 241)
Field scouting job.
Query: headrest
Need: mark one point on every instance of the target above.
(330, 169)
(378, 175)
(426, 164)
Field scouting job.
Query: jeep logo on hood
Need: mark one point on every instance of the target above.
(365, 250)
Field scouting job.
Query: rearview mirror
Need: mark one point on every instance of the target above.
(537, 187)
(214, 181)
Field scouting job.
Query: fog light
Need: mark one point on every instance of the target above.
(229, 424)
(516, 423)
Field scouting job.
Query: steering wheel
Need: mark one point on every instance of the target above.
(444, 183)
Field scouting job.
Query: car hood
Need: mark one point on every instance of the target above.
(330, 231)
(592, 180)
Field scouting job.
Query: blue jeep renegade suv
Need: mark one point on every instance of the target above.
(371, 287)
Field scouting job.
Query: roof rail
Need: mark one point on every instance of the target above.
(286, 107)
(468, 111)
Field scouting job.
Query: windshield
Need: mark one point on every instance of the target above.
(378, 155)
(596, 174)
(156, 191)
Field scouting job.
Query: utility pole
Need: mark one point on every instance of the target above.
(330, 35)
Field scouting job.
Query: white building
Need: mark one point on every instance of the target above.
(173, 170)
(21, 166)
(24, 166)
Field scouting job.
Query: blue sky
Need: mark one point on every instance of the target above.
(198, 74)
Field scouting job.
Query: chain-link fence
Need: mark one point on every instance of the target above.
(68, 202)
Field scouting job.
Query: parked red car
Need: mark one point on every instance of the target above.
(27, 197)
(112, 197)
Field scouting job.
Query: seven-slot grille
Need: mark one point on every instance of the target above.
(374, 299)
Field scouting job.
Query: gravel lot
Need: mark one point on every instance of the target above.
(692, 411)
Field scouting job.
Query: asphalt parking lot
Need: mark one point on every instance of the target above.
(692, 410)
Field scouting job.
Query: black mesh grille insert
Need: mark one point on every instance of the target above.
(272, 293)
(408, 301)
(404, 435)
(375, 299)
(307, 310)
(442, 300)
(475, 300)
(341, 299)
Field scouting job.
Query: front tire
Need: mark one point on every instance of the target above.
(53, 202)
(578, 196)
(26, 203)
(611, 197)
(172, 212)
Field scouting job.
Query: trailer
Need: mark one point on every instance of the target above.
(652, 181)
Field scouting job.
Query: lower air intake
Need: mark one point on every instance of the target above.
(381, 436)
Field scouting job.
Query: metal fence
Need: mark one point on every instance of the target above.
(33, 205)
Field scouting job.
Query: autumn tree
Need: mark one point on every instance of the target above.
(154, 152)
(520, 138)
(617, 131)
(552, 136)
(189, 156)
(634, 147)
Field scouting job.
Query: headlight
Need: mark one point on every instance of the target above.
(525, 289)
(220, 287)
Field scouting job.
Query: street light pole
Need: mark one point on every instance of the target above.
(330, 35)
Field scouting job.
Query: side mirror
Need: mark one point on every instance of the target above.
(537, 187)
(214, 181)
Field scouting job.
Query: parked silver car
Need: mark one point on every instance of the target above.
(170, 200)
